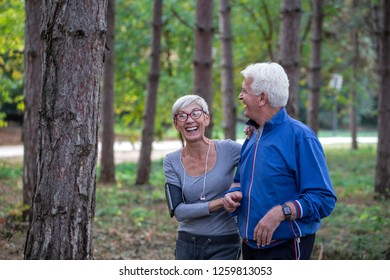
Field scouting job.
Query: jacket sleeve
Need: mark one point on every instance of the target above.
(317, 197)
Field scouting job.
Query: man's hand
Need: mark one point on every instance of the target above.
(231, 201)
(266, 227)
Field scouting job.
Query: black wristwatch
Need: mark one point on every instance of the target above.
(286, 211)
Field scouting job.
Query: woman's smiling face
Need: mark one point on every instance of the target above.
(194, 126)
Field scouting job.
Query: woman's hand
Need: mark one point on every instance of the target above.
(248, 129)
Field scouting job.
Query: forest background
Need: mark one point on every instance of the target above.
(252, 21)
(255, 29)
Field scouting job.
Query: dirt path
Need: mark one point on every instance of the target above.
(11, 147)
(10, 136)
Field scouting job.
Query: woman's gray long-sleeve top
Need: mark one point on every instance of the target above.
(193, 215)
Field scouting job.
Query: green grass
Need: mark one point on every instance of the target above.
(10, 188)
(346, 133)
(352, 171)
(10, 172)
(132, 222)
(359, 227)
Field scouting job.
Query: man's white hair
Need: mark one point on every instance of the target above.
(270, 78)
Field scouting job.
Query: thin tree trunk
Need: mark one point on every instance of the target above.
(32, 99)
(353, 124)
(144, 163)
(203, 60)
(355, 69)
(315, 66)
(382, 176)
(375, 15)
(289, 56)
(73, 34)
(228, 100)
(107, 173)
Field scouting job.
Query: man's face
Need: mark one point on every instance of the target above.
(249, 99)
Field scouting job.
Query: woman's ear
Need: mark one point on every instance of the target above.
(175, 123)
(207, 119)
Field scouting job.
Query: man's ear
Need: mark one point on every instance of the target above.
(263, 98)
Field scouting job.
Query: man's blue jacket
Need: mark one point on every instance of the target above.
(283, 162)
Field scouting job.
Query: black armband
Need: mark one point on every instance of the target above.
(174, 197)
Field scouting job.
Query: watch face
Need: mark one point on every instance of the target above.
(286, 211)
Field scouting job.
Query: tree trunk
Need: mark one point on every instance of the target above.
(315, 66)
(382, 176)
(32, 99)
(228, 100)
(73, 34)
(107, 173)
(289, 56)
(144, 163)
(375, 14)
(203, 60)
(355, 69)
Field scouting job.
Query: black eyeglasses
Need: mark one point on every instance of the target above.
(195, 114)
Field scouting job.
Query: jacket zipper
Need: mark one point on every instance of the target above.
(251, 184)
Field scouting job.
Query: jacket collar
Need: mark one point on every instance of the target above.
(277, 119)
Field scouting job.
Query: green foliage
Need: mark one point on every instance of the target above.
(338, 57)
(11, 56)
(133, 39)
(255, 29)
(132, 43)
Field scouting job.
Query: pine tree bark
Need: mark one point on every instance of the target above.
(73, 34)
(315, 66)
(229, 105)
(144, 163)
(382, 174)
(107, 159)
(289, 56)
(203, 60)
(32, 99)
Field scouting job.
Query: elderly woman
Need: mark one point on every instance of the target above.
(201, 171)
